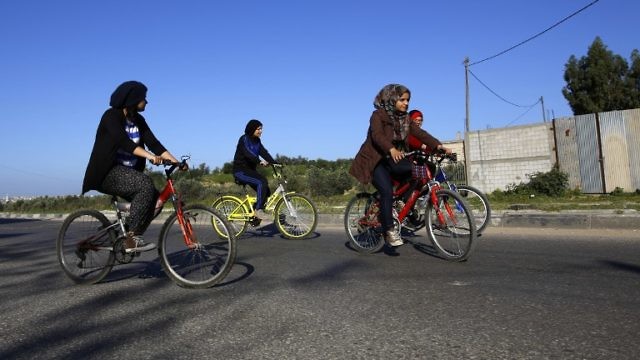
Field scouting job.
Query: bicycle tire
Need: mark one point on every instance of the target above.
(211, 258)
(455, 239)
(298, 222)
(479, 204)
(362, 226)
(226, 206)
(85, 259)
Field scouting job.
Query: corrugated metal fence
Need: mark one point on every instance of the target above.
(600, 152)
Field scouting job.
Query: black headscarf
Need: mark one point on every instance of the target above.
(128, 94)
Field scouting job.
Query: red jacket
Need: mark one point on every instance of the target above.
(415, 144)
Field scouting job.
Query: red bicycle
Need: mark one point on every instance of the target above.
(191, 251)
(449, 222)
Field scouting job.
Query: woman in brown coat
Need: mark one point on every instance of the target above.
(381, 156)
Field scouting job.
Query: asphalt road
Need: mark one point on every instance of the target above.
(525, 293)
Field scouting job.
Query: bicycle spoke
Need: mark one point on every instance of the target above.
(206, 257)
(85, 246)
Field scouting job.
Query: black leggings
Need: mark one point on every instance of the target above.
(136, 187)
(382, 175)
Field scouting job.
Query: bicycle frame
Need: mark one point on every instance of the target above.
(168, 193)
(419, 185)
(441, 176)
(238, 214)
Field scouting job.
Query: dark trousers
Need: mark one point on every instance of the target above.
(257, 182)
(382, 181)
(137, 188)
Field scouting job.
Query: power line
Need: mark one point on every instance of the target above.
(535, 36)
(500, 97)
(521, 115)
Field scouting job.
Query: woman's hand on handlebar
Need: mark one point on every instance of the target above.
(157, 160)
(444, 149)
(396, 154)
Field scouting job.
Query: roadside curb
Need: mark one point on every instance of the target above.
(579, 219)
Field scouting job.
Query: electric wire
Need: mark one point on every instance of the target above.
(498, 96)
(523, 114)
(535, 36)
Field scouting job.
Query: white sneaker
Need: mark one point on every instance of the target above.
(393, 238)
(261, 214)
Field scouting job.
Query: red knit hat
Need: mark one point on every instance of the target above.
(413, 114)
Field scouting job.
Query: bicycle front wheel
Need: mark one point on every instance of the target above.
(194, 255)
(479, 204)
(234, 212)
(450, 226)
(362, 225)
(85, 246)
(296, 216)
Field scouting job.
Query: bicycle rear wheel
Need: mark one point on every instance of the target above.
(204, 257)
(234, 212)
(479, 204)
(296, 216)
(85, 246)
(450, 226)
(362, 225)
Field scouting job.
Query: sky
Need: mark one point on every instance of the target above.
(308, 70)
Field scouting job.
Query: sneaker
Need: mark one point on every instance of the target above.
(135, 243)
(393, 238)
(260, 214)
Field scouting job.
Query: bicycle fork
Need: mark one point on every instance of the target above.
(188, 234)
(280, 191)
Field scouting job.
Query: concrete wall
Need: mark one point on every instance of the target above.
(500, 157)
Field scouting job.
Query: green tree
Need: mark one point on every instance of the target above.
(601, 81)
(633, 80)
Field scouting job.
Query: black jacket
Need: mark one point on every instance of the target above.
(110, 137)
(244, 159)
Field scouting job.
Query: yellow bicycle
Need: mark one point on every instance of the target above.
(295, 215)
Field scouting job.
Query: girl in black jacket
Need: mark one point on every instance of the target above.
(118, 160)
(245, 163)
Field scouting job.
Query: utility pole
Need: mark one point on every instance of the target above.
(467, 162)
(466, 81)
(544, 116)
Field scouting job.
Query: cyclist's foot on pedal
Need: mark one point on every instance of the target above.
(393, 238)
(260, 214)
(135, 243)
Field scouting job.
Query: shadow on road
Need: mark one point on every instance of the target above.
(622, 266)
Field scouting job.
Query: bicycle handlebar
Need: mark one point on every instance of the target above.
(439, 154)
(173, 165)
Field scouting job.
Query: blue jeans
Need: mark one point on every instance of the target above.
(257, 182)
(382, 175)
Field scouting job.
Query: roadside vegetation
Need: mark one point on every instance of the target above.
(330, 186)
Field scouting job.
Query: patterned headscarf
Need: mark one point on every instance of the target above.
(386, 100)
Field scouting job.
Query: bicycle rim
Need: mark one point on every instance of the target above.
(228, 207)
(84, 248)
(479, 205)
(360, 223)
(298, 219)
(450, 226)
(208, 257)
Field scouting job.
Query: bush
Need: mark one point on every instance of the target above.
(551, 183)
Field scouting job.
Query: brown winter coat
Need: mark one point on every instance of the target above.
(378, 143)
